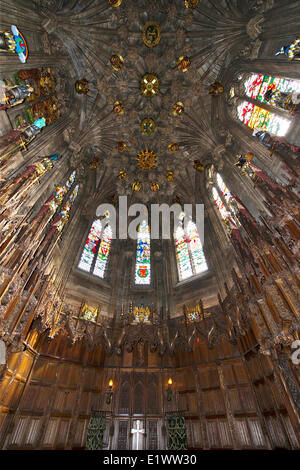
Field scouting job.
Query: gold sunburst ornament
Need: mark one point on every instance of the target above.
(148, 126)
(149, 85)
(116, 61)
(146, 160)
(151, 34)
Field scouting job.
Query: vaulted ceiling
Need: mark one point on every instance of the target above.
(114, 48)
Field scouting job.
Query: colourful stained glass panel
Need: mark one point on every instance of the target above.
(256, 117)
(90, 248)
(245, 111)
(222, 209)
(182, 255)
(253, 85)
(257, 85)
(103, 253)
(143, 264)
(225, 191)
(198, 258)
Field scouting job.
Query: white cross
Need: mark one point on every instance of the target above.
(137, 434)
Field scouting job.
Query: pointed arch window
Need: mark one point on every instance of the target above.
(143, 255)
(224, 201)
(189, 252)
(96, 250)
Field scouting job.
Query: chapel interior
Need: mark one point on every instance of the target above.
(181, 342)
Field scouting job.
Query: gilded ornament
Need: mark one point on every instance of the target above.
(192, 4)
(94, 163)
(154, 186)
(170, 175)
(121, 146)
(148, 126)
(149, 85)
(146, 160)
(183, 63)
(216, 89)
(82, 86)
(136, 186)
(151, 34)
(141, 314)
(117, 61)
(119, 107)
(173, 147)
(198, 165)
(178, 108)
(89, 313)
(122, 174)
(115, 3)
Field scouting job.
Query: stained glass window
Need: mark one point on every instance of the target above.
(256, 117)
(189, 252)
(198, 259)
(143, 264)
(281, 91)
(182, 254)
(103, 252)
(225, 191)
(220, 205)
(257, 85)
(96, 249)
(226, 209)
(90, 247)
